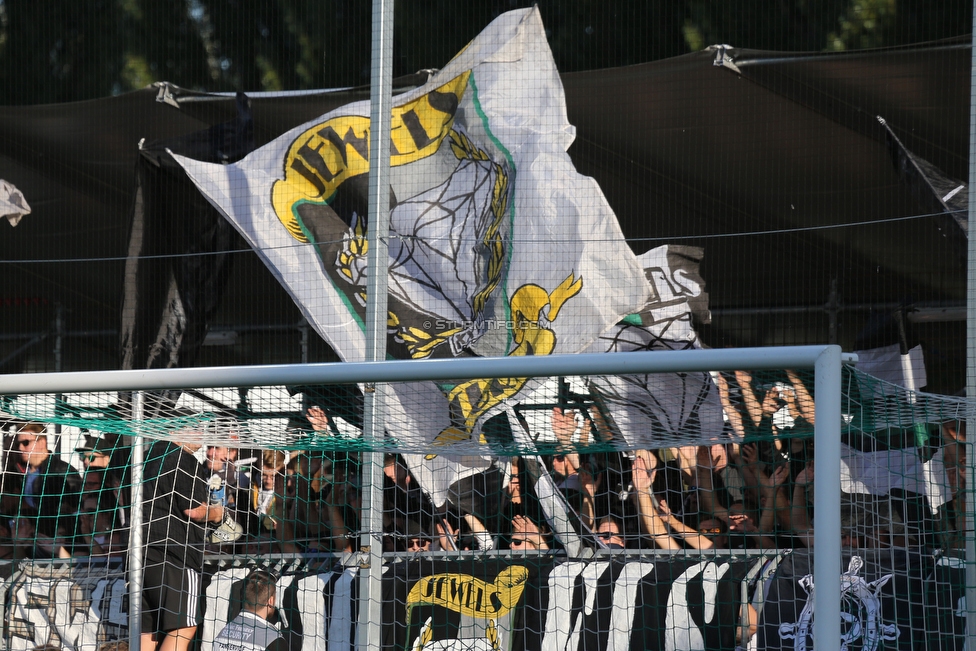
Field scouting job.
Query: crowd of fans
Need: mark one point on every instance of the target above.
(753, 492)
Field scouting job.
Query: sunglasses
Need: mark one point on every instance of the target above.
(23, 443)
(516, 542)
(607, 535)
(417, 543)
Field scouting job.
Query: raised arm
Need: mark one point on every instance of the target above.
(690, 535)
(480, 532)
(799, 516)
(706, 493)
(753, 406)
(687, 457)
(804, 401)
(774, 501)
(747, 461)
(563, 426)
(761, 535)
(731, 412)
(642, 476)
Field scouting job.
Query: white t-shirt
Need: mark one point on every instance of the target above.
(248, 632)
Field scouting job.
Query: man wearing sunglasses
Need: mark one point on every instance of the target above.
(610, 530)
(51, 487)
(715, 531)
(417, 539)
(527, 535)
(251, 630)
(417, 545)
(95, 452)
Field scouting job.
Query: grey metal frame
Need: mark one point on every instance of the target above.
(971, 361)
(368, 634)
(825, 360)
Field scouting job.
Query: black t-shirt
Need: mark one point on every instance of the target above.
(174, 481)
(58, 494)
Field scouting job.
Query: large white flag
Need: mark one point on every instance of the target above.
(497, 245)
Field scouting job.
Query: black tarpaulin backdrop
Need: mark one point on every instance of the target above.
(749, 155)
(178, 266)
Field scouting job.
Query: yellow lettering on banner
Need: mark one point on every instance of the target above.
(323, 156)
(469, 596)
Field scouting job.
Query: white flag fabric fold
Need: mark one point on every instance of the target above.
(658, 409)
(13, 204)
(497, 245)
(888, 364)
(878, 472)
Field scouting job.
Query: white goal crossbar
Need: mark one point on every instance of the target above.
(825, 360)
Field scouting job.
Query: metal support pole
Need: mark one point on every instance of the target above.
(58, 366)
(826, 495)
(370, 621)
(971, 361)
(136, 542)
(833, 309)
(304, 331)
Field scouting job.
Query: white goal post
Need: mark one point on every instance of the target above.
(825, 360)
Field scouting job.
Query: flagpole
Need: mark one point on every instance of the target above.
(369, 630)
(970, 523)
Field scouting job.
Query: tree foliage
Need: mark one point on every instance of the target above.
(56, 51)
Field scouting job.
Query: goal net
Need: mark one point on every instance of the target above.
(666, 510)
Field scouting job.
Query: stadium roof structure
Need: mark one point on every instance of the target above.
(816, 184)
